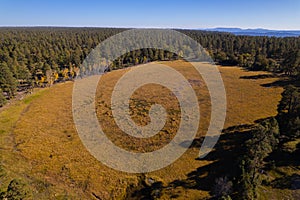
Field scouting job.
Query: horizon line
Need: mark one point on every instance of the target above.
(141, 27)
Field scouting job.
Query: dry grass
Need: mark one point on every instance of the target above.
(49, 153)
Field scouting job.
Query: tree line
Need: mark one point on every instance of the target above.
(254, 53)
(41, 56)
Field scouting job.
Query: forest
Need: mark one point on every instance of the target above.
(41, 56)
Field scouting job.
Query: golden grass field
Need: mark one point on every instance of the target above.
(40, 145)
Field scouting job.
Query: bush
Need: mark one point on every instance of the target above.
(222, 187)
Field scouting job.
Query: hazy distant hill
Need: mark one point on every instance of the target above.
(258, 32)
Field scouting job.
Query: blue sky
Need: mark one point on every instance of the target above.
(271, 14)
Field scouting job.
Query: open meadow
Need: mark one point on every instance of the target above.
(40, 145)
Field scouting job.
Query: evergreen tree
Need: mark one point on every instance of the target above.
(262, 143)
(292, 63)
(289, 112)
(7, 82)
(2, 99)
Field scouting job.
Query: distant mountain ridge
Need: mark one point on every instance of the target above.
(257, 32)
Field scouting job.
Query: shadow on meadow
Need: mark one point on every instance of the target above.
(287, 182)
(260, 76)
(225, 163)
(283, 81)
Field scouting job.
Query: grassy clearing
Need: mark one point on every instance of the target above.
(48, 152)
(13, 165)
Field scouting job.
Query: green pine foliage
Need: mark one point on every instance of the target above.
(29, 53)
(2, 98)
(262, 143)
(289, 113)
(8, 83)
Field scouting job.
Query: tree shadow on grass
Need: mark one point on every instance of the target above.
(260, 76)
(145, 191)
(288, 182)
(283, 158)
(224, 156)
(283, 81)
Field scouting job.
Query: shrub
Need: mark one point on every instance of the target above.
(222, 187)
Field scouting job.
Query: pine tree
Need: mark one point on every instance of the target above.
(262, 143)
(7, 82)
(2, 99)
(289, 112)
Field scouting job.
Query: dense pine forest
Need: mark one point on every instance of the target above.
(41, 56)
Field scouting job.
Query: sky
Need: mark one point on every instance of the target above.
(270, 14)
